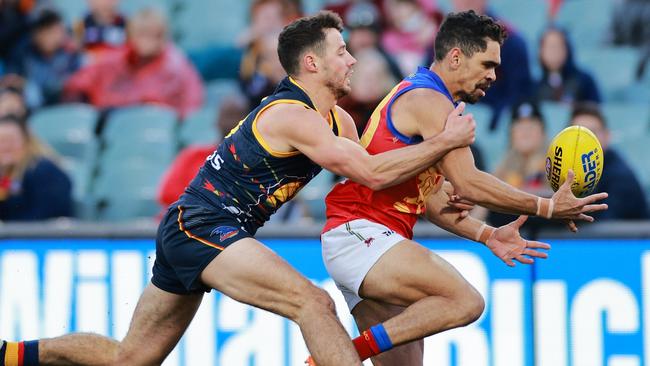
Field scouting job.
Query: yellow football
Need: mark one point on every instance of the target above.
(578, 149)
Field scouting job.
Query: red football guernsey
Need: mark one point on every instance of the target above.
(399, 206)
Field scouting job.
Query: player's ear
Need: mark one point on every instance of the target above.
(310, 62)
(455, 57)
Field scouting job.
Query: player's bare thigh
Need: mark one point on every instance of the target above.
(368, 313)
(408, 272)
(159, 321)
(249, 272)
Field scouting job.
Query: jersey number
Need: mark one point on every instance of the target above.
(215, 160)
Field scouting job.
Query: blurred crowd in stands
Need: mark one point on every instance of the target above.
(107, 114)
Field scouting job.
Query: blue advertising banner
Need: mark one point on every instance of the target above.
(587, 305)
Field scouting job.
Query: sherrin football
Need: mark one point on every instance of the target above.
(575, 148)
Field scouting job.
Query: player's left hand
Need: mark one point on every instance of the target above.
(506, 243)
(457, 202)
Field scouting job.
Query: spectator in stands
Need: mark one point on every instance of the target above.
(410, 33)
(269, 16)
(32, 186)
(562, 80)
(230, 61)
(102, 29)
(14, 25)
(261, 70)
(363, 23)
(190, 159)
(148, 69)
(523, 165)
(631, 26)
(12, 104)
(514, 81)
(46, 61)
(365, 96)
(626, 197)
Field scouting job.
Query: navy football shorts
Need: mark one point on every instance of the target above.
(189, 237)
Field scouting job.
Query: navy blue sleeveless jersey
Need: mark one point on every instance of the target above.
(244, 177)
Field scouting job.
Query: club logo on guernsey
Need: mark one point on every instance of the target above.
(225, 232)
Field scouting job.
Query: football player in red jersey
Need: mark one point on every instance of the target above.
(397, 290)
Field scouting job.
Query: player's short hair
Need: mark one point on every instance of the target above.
(304, 34)
(588, 109)
(467, 31)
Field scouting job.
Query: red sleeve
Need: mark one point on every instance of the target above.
(80, 83)
(181, 172)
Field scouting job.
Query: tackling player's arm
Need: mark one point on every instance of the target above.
(305, 130)
(429, 109)
(504, 242)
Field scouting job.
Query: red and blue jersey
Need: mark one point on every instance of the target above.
(399, 206)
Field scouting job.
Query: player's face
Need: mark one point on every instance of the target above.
(479, 72)
(338, 62)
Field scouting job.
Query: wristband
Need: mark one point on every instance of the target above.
(483, 233)
(545, 207)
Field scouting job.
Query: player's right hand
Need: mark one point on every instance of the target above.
(568, 206)
(460, 128)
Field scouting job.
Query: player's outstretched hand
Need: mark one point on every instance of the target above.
(507, 244)
(460, 128)
(568, 206)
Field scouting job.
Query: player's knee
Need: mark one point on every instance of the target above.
(321, 300)
(472, 306)
(315, 300)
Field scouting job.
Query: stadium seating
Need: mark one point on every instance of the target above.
(141, 131)
(586, 20)
(626, 120)
(70, 130)
(482, 115)
(138, 145)
(199, 23)
(216, 90)
(556, 117)
(635, 151)
(637, 92)
(200, 127)
(67, 128)
(612, 67)
(527, 17)
(127, 189)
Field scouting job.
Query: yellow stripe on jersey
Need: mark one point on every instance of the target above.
(335, 115)
(294, 82)
(375, 118)
(11, 354)
(260, 139)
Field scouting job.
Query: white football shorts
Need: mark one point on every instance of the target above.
(351, 249)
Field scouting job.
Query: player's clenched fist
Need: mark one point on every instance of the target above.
(461, 128)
